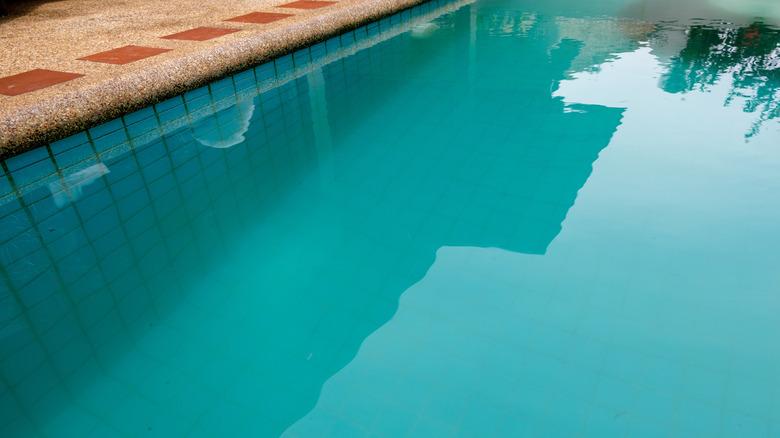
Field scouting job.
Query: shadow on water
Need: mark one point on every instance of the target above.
(230, 266)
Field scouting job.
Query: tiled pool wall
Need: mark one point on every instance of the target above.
(88, 222)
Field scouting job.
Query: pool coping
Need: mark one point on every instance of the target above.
(31, 121)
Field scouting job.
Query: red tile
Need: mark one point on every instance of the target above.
(33, 80)
(307, 4)
(200, 34)
(124, 55)
(260, 17)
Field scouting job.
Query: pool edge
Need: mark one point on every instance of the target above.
(38, 121)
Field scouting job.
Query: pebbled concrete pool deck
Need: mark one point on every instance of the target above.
(109, 83)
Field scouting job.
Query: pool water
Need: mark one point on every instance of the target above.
(490, 218)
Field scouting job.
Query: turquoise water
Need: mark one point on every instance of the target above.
(492, 218)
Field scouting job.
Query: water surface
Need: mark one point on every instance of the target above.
(491, 218)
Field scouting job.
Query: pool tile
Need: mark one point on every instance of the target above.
(28, 158)
(318, 52)
(245, 81)
(222, 89)
(260, 17)
(5, 189)
(69, 143)
(200, 34)
(302, 57)
(74, 156)
(34, 171)
(110, 141)
(142, 127)
(33, 80)
(372, 29)
(170, 110)
(360, 33)
(139, 115)
(333, 45)
(124, 55)
(200, 103)
(347, 39)
(307, 4)
(197, 97)
(284, 65)
(106, 128)
(167, 104)
(265, 73)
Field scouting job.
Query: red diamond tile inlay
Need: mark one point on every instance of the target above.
(124, 55)
(307, 4)
(259, 17)
(33, 80)
(200, 34)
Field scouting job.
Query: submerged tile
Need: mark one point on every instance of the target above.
(33, 80)
(200, 34)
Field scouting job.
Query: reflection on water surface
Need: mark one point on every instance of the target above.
(491, 218)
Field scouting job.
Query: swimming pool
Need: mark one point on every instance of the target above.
(490, 218)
